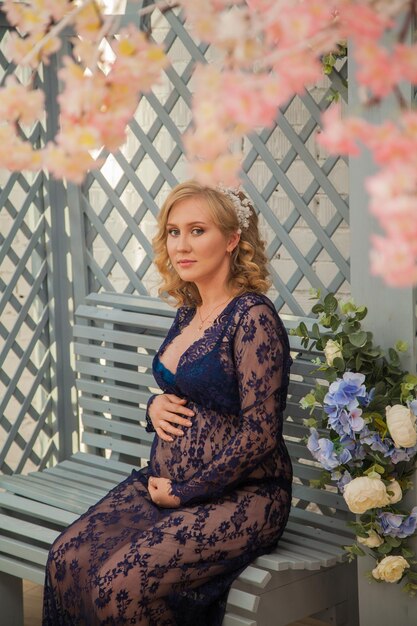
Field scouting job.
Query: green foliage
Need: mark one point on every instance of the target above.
(344, 346)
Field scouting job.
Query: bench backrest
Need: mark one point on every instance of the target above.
(116, 337)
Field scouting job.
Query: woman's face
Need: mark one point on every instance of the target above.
(196, 246)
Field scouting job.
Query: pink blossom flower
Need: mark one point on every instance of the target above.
(361, 22)
(88, 21)
(19, 103)
(138, 61)
(223, 169)
(375, 68)
(72, 166)
(20, 50)
(405, 59)
(394, 260)
(27, 18)
(340, 136)
(15, 154)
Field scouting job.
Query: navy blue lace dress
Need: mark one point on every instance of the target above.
(128, 561)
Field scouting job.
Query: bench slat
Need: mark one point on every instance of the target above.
(115, 409)
(92, 460)
(114, 355)
(21, 549)
(113, 391)
(27, 529)
(116, 445)
(107, 335)
(24, 488)
(36, 509)
(72, 477)
(134, 431)
(243, 600)
(118, 374)
(35, 574)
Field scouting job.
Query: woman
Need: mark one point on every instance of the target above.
(164, 546)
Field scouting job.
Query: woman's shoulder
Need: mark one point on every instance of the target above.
(248, 300)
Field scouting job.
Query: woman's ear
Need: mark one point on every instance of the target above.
(233, 241)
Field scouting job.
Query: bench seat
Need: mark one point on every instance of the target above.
(115, 338)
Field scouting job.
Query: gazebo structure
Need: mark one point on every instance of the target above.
(60, 242)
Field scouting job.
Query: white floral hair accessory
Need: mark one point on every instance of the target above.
(242, 206)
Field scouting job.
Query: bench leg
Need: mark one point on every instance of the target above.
(11, 600)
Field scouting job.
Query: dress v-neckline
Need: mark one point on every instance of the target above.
(181, 325)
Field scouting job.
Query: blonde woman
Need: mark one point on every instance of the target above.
(164, 546)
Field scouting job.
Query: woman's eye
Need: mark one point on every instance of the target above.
(197, 231)
(173, 232)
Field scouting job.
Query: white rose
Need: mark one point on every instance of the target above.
(373, 540)
(401, 425)
(390, 569)
(364, 493)
(396, 490)
(332, 351)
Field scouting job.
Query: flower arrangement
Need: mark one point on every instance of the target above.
(363, 432)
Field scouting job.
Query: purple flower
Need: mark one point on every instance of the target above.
(397, 455)
(323, 451)
(346, 422)
(374, 441)
(396, 525)
(341, 479)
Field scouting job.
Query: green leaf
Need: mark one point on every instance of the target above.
(393, 356)
(358, 362)
(407, 554)
(303, 329)
(361, 312)
(315, 331)
(330, 304)
(358, 339)
(317, 308)
(339, 364)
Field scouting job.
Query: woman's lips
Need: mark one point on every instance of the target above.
(185, 263)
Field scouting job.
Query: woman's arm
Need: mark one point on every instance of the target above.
(262, 360)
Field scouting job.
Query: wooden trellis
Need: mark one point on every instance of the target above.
(108, 223)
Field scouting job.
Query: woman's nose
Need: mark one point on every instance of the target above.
(183, 243)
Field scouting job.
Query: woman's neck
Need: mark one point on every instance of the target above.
(214, 295)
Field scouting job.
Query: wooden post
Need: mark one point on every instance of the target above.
(391, 316)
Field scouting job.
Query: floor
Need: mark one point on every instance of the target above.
(33, 604)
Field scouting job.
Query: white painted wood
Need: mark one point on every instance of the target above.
(255, 576)
(243, 600)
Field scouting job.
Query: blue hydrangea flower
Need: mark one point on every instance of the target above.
(324, 452)
(345, 391)
(376, 443)
(397, 455)
(341, 479)
(396, 525)
(354, 446)
(341, 403)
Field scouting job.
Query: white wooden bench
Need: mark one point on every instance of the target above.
(115, 338)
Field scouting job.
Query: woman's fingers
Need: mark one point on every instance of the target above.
(170, 428)
(162, 435)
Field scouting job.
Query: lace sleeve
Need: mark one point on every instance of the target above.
(261, 356)
(149, 426)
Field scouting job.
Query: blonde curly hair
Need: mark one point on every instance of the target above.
(248, 263)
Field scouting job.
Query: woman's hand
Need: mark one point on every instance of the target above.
(166, 411)
(160, 492)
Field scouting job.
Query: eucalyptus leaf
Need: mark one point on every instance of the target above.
(358, 339)
(330, 304)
